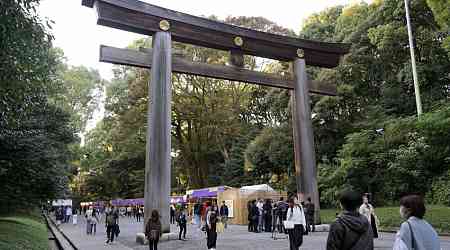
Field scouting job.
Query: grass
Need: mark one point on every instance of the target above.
(23, 232)
(437, 216)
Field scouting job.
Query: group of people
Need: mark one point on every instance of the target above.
(137, 212)
(354, 229)
(63, 214)
(93, 217)
(268, 215)
(206, 217)
(356, 226)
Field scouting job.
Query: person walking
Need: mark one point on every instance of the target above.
(172, 214)
(153, 230)
(296, 217)
(68, 213)
(182, 222)
(129, 211)
(367, 210)
(94, 221)
(88, 215)
(350, 230)
(224, 213)
(415, 233)
(138, 214)
(111, 220)
(310, 210)
(267, 216)
(197, 214)
(211, 223)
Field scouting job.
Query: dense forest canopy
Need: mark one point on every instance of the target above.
(44, 106)
(230, 133)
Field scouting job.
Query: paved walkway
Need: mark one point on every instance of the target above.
(234, 238)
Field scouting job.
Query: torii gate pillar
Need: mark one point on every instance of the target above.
(158, 160)
(304, 151)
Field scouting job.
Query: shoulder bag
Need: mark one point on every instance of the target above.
(413, 239)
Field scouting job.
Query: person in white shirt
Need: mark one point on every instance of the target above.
(260, 206)
(88, 215)
(295, 216)
(68, 214)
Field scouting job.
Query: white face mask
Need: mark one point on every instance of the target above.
(404, 212)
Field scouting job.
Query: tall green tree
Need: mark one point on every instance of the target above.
(35, 134)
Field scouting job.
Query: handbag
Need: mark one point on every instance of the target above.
(117, 230)
(220, 227)
(288, 224)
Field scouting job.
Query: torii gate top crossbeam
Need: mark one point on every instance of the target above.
(144, 18)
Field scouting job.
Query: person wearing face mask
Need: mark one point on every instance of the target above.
(415, 233)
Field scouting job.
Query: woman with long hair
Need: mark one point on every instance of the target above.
(153, 230)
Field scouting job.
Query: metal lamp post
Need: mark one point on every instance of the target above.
(413, 61)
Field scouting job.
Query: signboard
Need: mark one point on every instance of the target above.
(230, 204)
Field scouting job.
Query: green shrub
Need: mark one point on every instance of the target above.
(440, 191)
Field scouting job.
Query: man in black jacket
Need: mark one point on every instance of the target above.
(224, 214)
(351, 230)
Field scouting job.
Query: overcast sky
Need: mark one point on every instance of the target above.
(77, 33)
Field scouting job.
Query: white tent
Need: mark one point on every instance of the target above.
(255, 188)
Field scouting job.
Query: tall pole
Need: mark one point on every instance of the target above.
(157, 162)
(413, 61)
(304, 152)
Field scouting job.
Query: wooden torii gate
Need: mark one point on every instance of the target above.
(166, 25)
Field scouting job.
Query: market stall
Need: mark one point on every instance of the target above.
(238, 198)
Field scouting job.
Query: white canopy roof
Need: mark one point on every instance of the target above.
(254, 188)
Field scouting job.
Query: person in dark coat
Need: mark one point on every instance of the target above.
(255, 214)
(153, 230)
(211, 227)
(267, 208)
(282, 212)
(310, 209)
(182, 222)
(224, 214)
(351, 230)
(250, 220)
